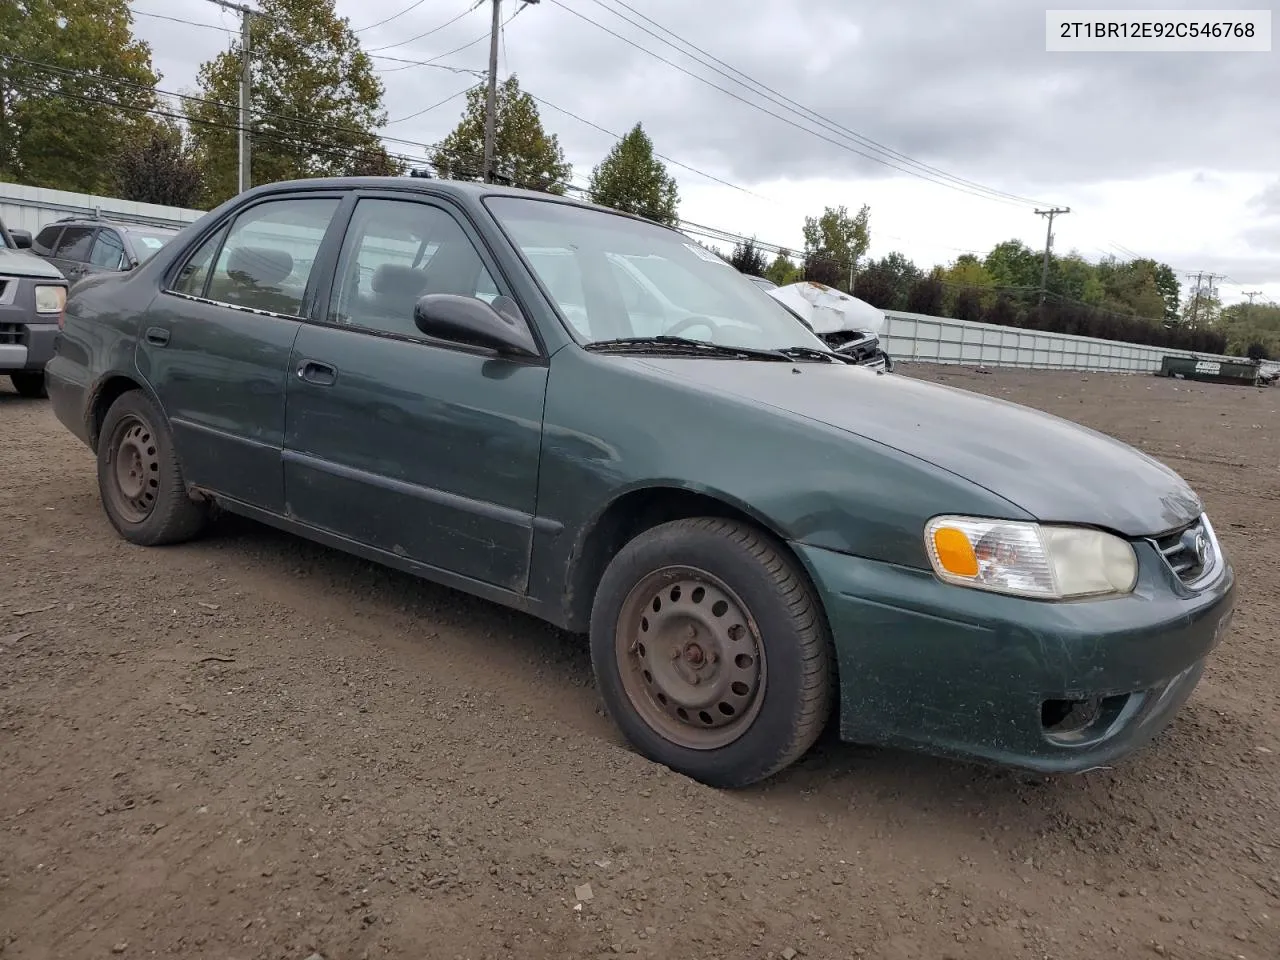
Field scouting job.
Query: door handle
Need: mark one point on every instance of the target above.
(313, 371)
(157, 335)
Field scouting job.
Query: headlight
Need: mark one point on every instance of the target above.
(1030, 560)
(50, 299)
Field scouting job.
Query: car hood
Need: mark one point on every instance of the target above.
(20, 263)
(1054, 469)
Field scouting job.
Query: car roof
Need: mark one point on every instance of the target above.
(125, 225)
(438, 186)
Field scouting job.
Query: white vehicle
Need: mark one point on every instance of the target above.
(845, 323)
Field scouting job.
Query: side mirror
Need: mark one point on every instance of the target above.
(499, 327)
(21, 239)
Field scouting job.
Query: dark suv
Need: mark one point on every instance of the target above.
(32, 296)
(80, 247)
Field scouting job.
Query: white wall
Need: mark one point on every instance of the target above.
(915, 336)
(30, 208)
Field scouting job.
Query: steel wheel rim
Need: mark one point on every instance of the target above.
(690, 658)
(135, 469)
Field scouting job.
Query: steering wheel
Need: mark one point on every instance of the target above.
(693, 320)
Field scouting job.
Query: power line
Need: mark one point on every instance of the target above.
(438, 103)
(685, 166)
(394, 16)
(784, 119)
(786, 102)
(423, 63)
(401, 43)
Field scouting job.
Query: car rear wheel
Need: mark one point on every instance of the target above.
(711, 652)
(29, 384)
(139, 477)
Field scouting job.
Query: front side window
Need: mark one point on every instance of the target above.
(616, 277)
(193, 276)
(108, 250)
(266, 260)
(395, 252)
(75, 244)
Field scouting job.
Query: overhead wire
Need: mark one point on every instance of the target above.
(787, 120)
(786, 102)
(394, 16)
(401, 43)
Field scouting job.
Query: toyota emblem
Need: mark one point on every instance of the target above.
(1202, 548)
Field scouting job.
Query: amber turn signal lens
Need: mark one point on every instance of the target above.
(955, 552)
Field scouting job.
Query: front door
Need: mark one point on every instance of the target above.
(215, 344)
(424, 449)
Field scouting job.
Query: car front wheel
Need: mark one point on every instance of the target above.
(139, 477)
(711, 652)
(30, 384)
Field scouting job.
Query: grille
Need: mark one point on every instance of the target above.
(1189, 551)
(10, 333)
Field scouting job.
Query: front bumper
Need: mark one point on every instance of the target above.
(982, 676)
(25, 345)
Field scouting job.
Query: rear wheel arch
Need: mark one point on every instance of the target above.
(111, 389)
(631, 514)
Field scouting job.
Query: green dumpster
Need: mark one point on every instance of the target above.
(1239, 372)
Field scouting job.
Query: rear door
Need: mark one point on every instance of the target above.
(215, 343)
(425, 449)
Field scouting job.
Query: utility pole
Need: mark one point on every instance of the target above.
(245, 179)
(1251, 294)
(1201, 277)
(1048, 245)
(491, 104)
(491, 101)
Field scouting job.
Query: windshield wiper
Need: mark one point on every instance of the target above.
(691, 345)
(813, 353)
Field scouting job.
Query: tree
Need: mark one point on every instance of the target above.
(834, 243)
(1013, 264)
(74, 84)
(633, 180)
(525, 155)
(316, 102)
(747, 258)
(783, 271)
(159, 166)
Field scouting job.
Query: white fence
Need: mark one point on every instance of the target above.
(916, 336)
(30, 208)
(906, 337)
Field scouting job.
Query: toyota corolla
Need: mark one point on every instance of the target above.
(589, 417)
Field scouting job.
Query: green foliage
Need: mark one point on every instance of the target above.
(1252, 329)
(316, 102)
(633, 180)
(64, 127)
(525, 155)
(1013, 264)
(885, 283)
(158, 165)
(834, 243)
(747, 258)
(783, 271)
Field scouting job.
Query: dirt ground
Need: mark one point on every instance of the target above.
(252, 747)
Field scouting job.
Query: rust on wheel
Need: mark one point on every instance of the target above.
(135, 469)
(690, 658)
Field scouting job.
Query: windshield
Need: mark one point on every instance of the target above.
(614, 277)
(147, 243)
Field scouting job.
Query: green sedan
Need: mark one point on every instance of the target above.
(588, 417)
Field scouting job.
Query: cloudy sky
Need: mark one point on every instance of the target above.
(1172, 156)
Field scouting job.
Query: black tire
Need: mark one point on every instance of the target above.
(139, 477)
(29, 384)
(772, 616)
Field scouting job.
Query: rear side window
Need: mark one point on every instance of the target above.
(45, 239)
(75, 244)
(108, 250)
(195, 272)
(267, 258)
